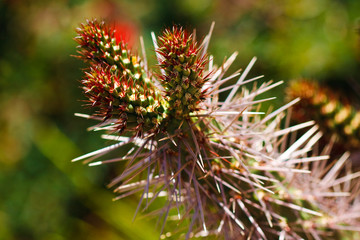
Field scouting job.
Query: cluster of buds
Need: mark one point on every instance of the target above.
(335, 117)
(222, 167)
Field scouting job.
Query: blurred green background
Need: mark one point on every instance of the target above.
(43, 194)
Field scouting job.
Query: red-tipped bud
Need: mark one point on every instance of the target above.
(183, 76)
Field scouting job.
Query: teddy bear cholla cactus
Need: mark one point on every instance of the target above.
(222, 168)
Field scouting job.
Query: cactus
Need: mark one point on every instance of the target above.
(116, 83)
(222, 168)
(183, 69)
(336, 118)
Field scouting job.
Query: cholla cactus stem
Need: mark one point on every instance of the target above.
(222, 167)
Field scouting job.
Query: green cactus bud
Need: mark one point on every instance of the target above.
(182, 71)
